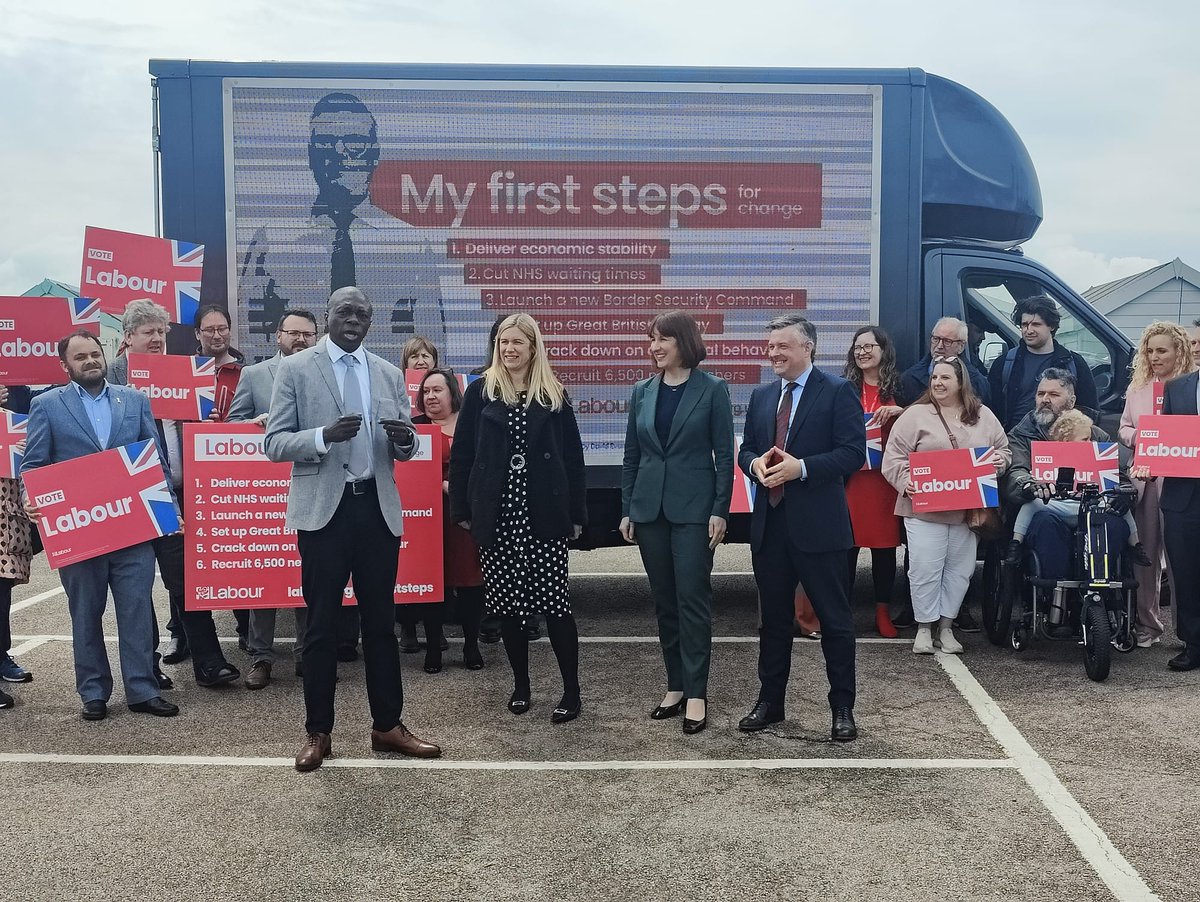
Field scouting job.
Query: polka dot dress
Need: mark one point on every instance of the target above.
(524, 575)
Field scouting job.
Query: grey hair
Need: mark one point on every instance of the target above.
(139, 313)
(953, 321)
(1060, 375)
(794, 321)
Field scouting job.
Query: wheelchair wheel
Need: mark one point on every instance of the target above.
(998, 603)
(1018, 639)
(1097, 639)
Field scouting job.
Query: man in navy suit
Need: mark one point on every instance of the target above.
(1180, 505)
(85, 416)
(804, 435)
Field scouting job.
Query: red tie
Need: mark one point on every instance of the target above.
(782, 417)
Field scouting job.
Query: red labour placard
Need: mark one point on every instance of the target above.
(12, 430)
(179, 388)
(1097, 463)
(956, 480)
(101, 502)
(1169, 445)
(30, 329)
(119, 267)
(239, 553)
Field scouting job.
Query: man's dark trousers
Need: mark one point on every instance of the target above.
(355, 544)
(778, 567)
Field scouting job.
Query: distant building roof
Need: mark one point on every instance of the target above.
(51, 288)
(1168, 292)
(1111, 295)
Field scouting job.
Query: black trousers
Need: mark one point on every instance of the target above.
(779, 566)
(1182, 539)
(356, 544)
(6, 588)
(198, 626)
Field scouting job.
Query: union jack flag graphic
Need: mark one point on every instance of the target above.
(141, 461)
(983, 462)
(12, 430)
(204, 369)
(1108, 464)
(85, 312)
(874, 444)
(187, 266)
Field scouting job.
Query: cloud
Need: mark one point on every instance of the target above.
(1082, 269)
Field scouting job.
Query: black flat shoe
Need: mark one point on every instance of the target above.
(663, 712)
(164, 681)
(155, 706)
(844, 729)
(564, 713)
(1188, 659)
(408, 639)
(94, 710)
(177, 651)
(433, 661)
(761, 716)
(518, 703)
(472, 659)
(692, 727)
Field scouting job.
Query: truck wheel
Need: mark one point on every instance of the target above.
(1097, 639)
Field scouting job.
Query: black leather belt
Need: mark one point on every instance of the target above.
(361, 486)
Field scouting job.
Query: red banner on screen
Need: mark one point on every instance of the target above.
(12, 431)
(239, 553)
(179, 387)
(1169, 445)
(606, 325)
(119, 267)
(955, 480)
(580, 350)
(487, 194)
(30, 329)
(101, 502)
(556, 249)
(651, 299)
(562, 273)
(1097, 463)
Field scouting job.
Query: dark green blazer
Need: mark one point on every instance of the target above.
(691, 479)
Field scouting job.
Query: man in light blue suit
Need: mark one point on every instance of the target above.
(83, 417)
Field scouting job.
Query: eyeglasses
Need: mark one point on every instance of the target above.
(215, 330)
(938, 340)
(354, 145)
(294, 333)
(864, 348)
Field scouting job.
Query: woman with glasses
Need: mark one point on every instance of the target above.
(517, 483)
(1164, 353)
(941, 547)
(871, 366)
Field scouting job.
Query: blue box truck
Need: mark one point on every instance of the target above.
(596, 197)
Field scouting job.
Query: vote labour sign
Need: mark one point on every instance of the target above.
(874, 444)
(1169, 445)
(239, 552)
(12, 430)
(119, 267)
(1097, 463)
(179, 388)
(955, 480)
(30, 329)
(101, 502)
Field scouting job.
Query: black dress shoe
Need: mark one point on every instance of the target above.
(844, 729)
(95, 710)
(662, 712)
(177, 652)
(518, 702)
(760, 717)
(155, 706)
(691, 727)
(217, 676)
(1188, 659)
(164, 681)
(905, 618)
(472, 659)
(568, 709)
(967, 623)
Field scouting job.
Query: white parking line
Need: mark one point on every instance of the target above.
(451, 764)
(31, 601)
(28, 645)
(1091, 841)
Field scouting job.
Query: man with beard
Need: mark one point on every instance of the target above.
(1055, 395)
(252, 403)
(345, 240)
(84, 417)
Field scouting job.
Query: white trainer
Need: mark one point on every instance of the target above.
(923, 644)
(950, 645)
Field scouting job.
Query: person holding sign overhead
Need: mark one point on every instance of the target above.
(941, 547)
(83, 417)
(339, 415)
(804, 435)
(1164, 353)
(676, 488)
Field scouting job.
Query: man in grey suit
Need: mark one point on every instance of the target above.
(340, 415)
(252, 403)
(84, 417)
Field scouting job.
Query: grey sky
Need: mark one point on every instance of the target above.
(1102, 92)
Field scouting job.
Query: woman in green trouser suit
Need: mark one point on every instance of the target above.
(676, 486)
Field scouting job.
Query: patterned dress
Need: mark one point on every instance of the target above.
(524, 575)
(16, 546)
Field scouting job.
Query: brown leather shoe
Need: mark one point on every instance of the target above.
(259, 676)
(399, 740)
(317, 747)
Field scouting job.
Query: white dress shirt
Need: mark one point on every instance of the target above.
(337, 359)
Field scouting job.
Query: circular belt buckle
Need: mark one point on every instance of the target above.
(517, 462)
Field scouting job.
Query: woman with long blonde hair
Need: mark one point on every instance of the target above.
(517, 483)
(1164, 352)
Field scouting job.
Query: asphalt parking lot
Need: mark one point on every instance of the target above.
(990, 776)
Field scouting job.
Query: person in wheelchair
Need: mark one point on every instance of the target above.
(1055, 399)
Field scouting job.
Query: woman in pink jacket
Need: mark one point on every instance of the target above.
(1163, 353)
